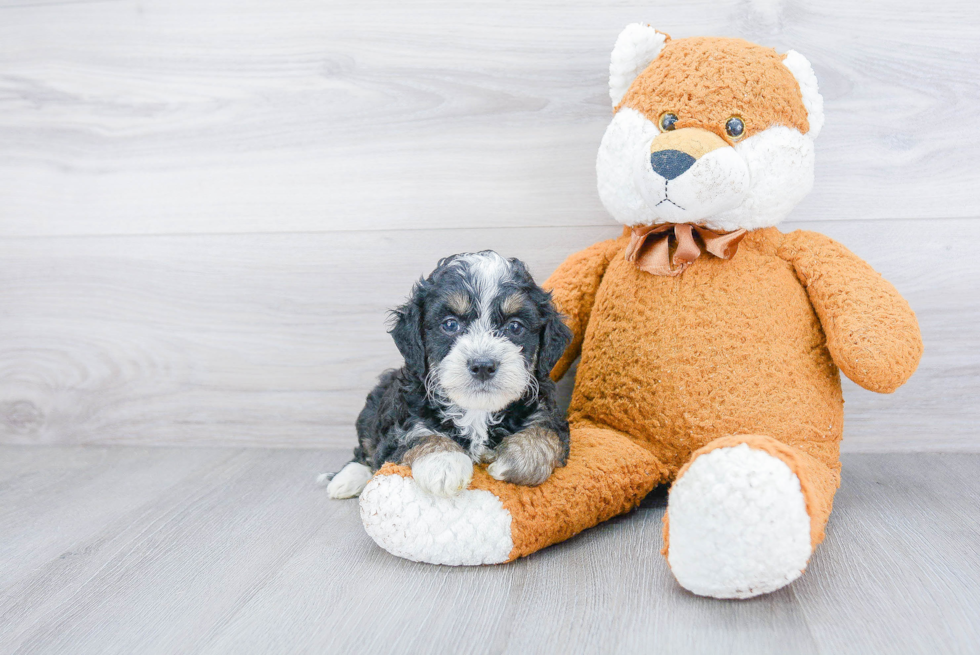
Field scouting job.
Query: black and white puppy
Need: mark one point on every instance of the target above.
(479, 339)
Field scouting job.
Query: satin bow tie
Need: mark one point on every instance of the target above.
(649, 246)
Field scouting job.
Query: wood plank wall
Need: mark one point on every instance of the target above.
(207, 207)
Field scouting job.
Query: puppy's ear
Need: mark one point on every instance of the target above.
(555, 337)
(407, 330)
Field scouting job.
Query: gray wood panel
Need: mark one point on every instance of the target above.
(237, 551)
(282, 171)
(276, 339)
(188, 117)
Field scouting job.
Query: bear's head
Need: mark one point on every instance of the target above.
(717, 132)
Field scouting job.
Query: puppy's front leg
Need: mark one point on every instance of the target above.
(439, 465)
(527, 457)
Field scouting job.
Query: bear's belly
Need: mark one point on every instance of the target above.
(728, 347)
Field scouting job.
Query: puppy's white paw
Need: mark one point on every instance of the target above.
(511, 469)
(349, 482)
(499, 469)
(527, 458)
(443, 473)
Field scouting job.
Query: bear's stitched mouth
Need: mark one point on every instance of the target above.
(667, 197)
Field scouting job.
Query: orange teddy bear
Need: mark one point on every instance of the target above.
(710, 341)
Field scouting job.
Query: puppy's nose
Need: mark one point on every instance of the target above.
(482, 369)
(671, 163)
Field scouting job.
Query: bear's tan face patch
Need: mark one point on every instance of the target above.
(705, 81)
(693, 141)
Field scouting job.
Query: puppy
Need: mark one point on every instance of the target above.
(479, 339)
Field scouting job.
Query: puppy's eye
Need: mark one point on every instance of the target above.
(735, 127)
(515, 328)
(450, 326)
(667, 120)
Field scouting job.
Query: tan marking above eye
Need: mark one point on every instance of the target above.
(512, 303)
(458, 302)
(694, 141)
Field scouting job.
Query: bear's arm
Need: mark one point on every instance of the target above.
(872, 333)
(573, 287)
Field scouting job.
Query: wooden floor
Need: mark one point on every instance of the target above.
(143, 550)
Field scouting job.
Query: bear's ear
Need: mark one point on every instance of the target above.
(635, 48)
(812, 100)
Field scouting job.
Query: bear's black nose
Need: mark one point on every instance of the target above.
(671, 163)
(482, 369)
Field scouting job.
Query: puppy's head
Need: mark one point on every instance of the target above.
(479, 331)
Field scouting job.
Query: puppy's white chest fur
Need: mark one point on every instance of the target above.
(474, 424)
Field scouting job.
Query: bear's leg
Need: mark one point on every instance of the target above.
(492, 521)
(744, 515)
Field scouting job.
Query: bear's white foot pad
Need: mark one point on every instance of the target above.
(738, 525)
(469, 528)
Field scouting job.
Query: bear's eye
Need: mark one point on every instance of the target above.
(735, 127)
(667, 120)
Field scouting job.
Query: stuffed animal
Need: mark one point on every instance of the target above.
(710, 342)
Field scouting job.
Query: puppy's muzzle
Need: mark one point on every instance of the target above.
(482, 369)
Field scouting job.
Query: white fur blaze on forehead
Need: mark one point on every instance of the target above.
(486, 265)
(487, 270)
(635, 48)
(812, 100)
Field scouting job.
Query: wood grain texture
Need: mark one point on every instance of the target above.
(264, 339)
(207, 208)
(276, 339)
(237, 551)
(269, 116)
